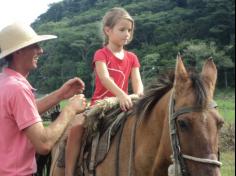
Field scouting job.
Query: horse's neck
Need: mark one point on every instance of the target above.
(151, 128)
(158, 118)
(153, 136)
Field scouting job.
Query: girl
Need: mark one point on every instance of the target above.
(113, 64)
(113, 67)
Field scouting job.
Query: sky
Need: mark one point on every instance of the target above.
(25, 11)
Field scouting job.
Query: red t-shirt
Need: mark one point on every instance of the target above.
(119, 70)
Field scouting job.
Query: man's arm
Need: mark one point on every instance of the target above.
(69, 89)
(44, 138)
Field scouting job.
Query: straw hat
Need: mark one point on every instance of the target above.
(17, 36)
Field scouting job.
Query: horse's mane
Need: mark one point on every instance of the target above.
(153, 94)
(162, 85)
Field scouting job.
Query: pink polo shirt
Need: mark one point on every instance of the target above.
(17, 111)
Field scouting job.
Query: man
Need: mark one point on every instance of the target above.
(21, 128)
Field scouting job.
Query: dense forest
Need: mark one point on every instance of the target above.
(198, 29)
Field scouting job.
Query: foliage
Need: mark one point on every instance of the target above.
(196, 28)
(196, 52)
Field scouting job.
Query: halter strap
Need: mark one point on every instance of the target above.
(185, 110)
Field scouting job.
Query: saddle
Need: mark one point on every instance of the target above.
(103, 121)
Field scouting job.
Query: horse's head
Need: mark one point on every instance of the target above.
(196, 120)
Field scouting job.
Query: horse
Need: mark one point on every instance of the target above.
(173, 130)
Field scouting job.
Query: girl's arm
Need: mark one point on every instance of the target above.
(136, 81)
(109, 84)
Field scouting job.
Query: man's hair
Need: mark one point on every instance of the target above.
(6, 61)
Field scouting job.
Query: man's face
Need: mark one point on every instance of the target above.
(29, 57)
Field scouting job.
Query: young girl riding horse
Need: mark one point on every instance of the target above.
(113, 66)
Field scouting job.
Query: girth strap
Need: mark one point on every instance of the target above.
(93, 155)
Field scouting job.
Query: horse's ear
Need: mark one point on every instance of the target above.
(209, 74)
(180, 71)
(181, 76)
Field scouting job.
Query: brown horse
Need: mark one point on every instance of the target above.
(175, 122)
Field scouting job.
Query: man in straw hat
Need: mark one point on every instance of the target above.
(21, 127)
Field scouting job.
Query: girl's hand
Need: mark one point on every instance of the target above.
(140, 94)
(125, 102)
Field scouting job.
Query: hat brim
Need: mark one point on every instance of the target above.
(36, 39)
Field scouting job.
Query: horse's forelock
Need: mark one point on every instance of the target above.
(199, 90)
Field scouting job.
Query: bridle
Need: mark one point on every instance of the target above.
(180, 168)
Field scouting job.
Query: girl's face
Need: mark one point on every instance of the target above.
(120, 34)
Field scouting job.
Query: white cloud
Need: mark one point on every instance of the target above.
(25, 11)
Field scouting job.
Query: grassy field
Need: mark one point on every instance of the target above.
(226, 104)
(228, 160)
(63, 103)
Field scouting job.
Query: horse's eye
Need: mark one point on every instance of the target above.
(183, 124)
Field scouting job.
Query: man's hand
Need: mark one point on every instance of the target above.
(77, 104)
(71, 87)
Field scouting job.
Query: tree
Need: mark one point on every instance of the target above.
(196, 52)
(181, 3)
(163, 28)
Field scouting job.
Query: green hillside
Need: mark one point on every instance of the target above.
(196, 28)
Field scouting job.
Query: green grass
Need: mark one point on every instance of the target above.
(46, 123)
(63, 103)
(227, 109)
(228, 160)
(226, 104)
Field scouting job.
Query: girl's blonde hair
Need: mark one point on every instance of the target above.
(112, 17)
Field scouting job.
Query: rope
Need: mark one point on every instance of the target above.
(203, 160)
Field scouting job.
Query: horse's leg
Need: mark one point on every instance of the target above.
(73, 147)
